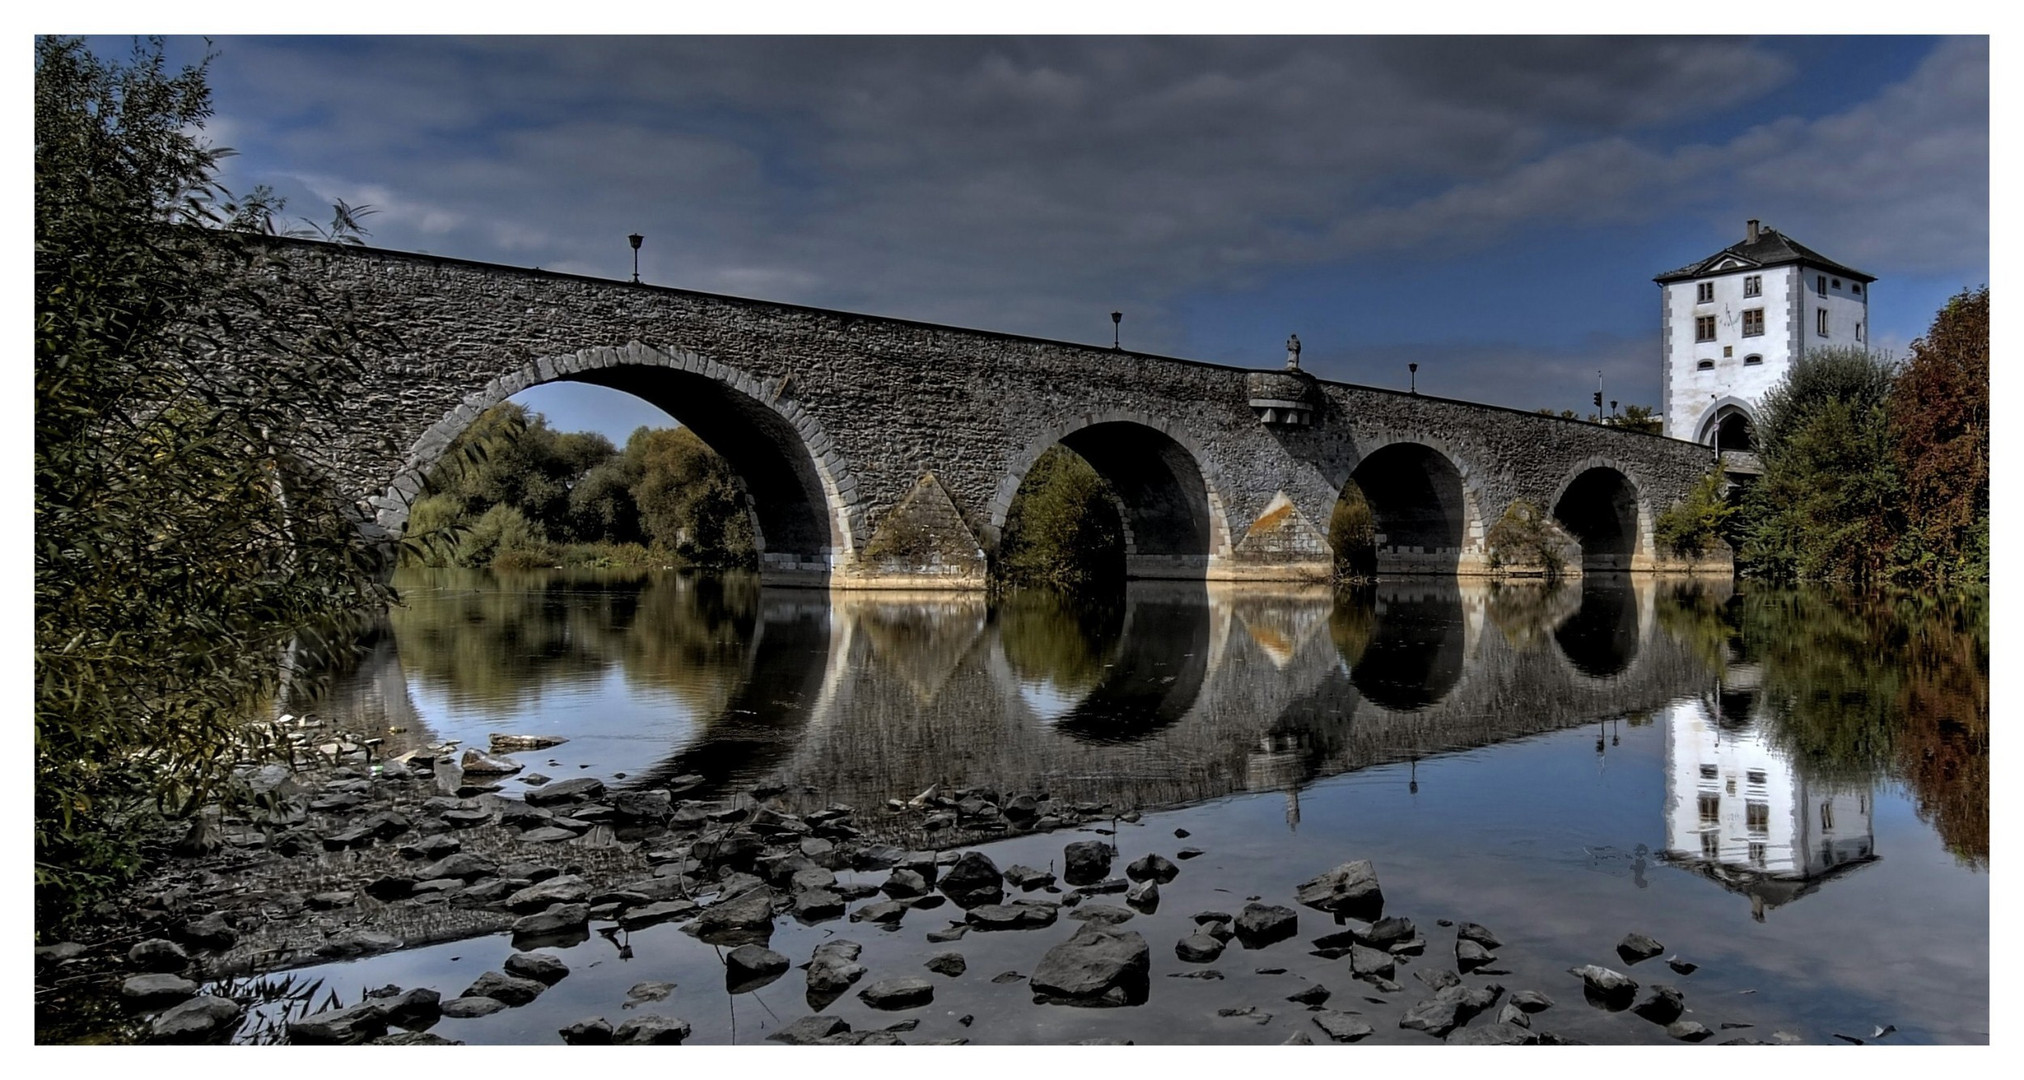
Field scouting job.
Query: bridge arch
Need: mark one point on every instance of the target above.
(1168, 487)
(1601, 502)
(1426, 502)
(807, 514)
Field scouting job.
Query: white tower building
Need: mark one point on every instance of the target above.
(1733, 323)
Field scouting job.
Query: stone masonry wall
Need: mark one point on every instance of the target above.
(881, 403)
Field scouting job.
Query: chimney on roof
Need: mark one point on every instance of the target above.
(1751, 235)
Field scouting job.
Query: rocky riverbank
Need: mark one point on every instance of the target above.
(375, 857)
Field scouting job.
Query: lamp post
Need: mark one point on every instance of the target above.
(1116, 318)
(634, 239)
(1413, 378)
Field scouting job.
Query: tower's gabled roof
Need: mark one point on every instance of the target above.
(1771, 248)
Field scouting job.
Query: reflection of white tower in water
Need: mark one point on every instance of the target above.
(1739, 813)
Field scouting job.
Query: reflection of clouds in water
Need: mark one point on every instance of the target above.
(613, 723)
(1049, 700)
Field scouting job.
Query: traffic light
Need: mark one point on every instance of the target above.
(1598, 399)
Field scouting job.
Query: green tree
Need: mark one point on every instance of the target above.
(1352, 535)
(1695, 523)
(690, 502)
(183, 545)
(1829, 505)
(1063, 526)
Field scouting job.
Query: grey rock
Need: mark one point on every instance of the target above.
(1688, 1030)
(1018, 915)
(413, 1038)
(1438, 980)
(466, 1008)
(477, 762)
(749, 967)
(418, 1008)
(1085, 862)
(814, 877)
(651, 1030)
(948, 934)
(1387, 932)
(1262, 924)
(58, 953)
(834, 967)
(888, 912)
(973, 880)
(510, 989)
(502, 743)
(458, 865)
(1099, 965)
(1469, 956)
(341, 1026)
(903, 992)
(1152, 867)
(1311, 994)
(816, 905)
(1101, 913)
(1469, 931)
(809, 1030)
(904, 884)
(558, 918)
(739, 919)
(951, 964)
(1512, 1014)
(158, 954)
(1492, 1035)
(208, 932)
(1145, 896)
(1350, 889)
(1027, 878)
(587, 1033)
(650, 914)
(567, 889)
(1683, 967)
(1449, 1008)
(1298, 1038)
(1531, 1000)
(1372, 962)
(198, 1019)
(1605, 982)
(1198, 948)
(1662, 1004)
(1343, 1027)
(157, 988)
(1636, 947)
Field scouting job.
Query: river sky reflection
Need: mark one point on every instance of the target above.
(1788, 789)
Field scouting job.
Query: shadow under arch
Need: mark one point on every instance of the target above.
(1406, 643)
(794, 482)
(1169, 498)
(1600, 639)
(1604, 510)
(1422, 515)
(1151, 649)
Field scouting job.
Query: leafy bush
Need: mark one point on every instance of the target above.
(1352, 535)
(1063, 528)
(1695, 523)
(1524, 537)
(185, 549)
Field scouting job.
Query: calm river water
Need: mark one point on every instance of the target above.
(1788, 789)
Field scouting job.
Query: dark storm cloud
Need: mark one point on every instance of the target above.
(1021, 184)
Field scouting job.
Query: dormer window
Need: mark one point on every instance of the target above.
(1704, 293)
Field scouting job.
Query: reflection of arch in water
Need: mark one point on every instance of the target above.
(1601, 639)
(1152, 671)
(1414, 642)
(1600, 504)
(806, 515)
(1174, 519)
(1425, 512)
(787, 681)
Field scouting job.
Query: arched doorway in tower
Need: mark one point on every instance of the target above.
(1600, 507)
(1417, 513)
(1109, 501)
(1729, 428)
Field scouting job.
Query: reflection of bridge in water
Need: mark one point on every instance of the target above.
(1188, 693)
(1170, 693)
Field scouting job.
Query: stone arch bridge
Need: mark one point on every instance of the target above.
(880, 452)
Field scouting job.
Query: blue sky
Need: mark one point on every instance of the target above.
(1492, 209)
